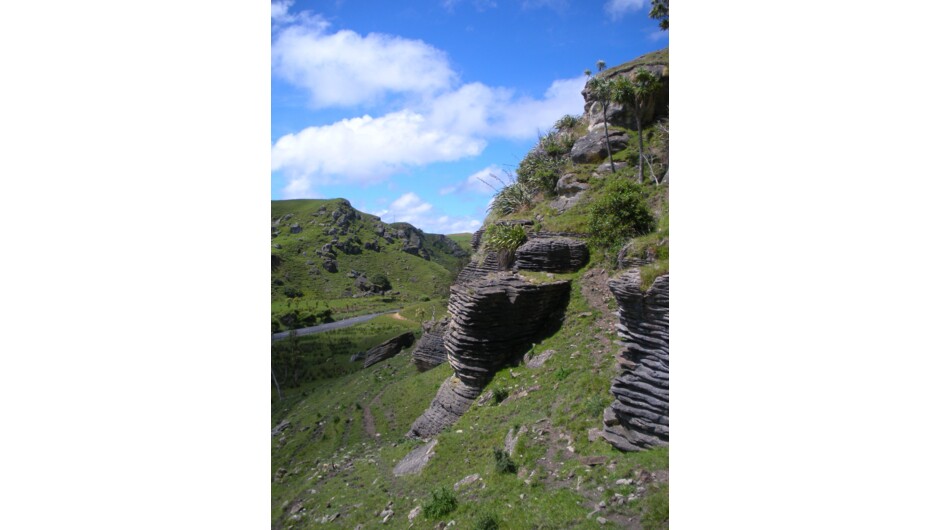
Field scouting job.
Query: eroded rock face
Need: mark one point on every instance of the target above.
(592, 147)
(658, 65)
(493, 321)
(476, 270)
(551, 255)
(430, 352)
(639, 418)
(453, 399)
(388, 349)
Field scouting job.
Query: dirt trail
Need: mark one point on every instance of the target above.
(367, 418)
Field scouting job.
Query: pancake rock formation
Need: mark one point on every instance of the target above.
(560, 254)
(388, 349)
(430, 352)
(639, 417)
(493, 321)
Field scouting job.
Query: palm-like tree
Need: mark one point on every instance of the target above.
(601, 88)
(660, 11)
(638, 92)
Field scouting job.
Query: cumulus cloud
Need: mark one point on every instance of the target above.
(367, 149)
(443, 122)
(347, 69)
(618, 8)
(410, 208)
(525, 117)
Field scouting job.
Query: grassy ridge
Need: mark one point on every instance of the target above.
(300, 284)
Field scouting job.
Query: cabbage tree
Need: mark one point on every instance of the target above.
(638, 92)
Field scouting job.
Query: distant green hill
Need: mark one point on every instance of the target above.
(330, 260)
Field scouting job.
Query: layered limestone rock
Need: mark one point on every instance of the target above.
(388, 349)
(430, 352)
(453, 399)
(494, 320)
(479, 267)
(639, 417)
(551, 255)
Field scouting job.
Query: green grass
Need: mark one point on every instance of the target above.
(300, 269)
(363, 483)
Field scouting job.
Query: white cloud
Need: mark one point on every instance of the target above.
(618, 8)
(348, 69)
(366, 149)
(410, 208)
(441, 122)
(524, 117)
(557, 5)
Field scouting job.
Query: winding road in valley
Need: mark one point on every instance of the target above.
(339, 324)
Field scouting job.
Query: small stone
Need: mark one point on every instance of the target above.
(624, 481)
(601, 520)
(414, 513)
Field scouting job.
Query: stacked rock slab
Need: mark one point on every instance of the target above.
(639, 417)
(430, 352)
(551, 255)
(388, 349)
(493, 320)
(474, 270)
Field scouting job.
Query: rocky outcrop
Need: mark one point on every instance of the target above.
(493, 321)
(485, 264)
(430, 352)
(592, 147)
(453, 399)
(415, 461)
(551, 255)
(656, 63)
(639, 417)
(388, 349)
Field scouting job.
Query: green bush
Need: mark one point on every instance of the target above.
(619, 214)
(293, 292)
(442, 503)
(568, 121)
(486, 521)
(499, 395)
(541, 167)
(504, 464)
(381, 281)
(514, 197)
(504, 237)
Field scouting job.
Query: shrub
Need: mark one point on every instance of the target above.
(541, 167)
(619, 214)
(293, 292)
(504, 464)
(499, 395)
(504, 237)
(381, 281)
(486, 521)
(568, 121)
(514, 197)
(442, 503)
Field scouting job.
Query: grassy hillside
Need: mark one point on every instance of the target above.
(310, 234)
(346, 434)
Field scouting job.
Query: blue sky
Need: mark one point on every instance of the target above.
(403, 107)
